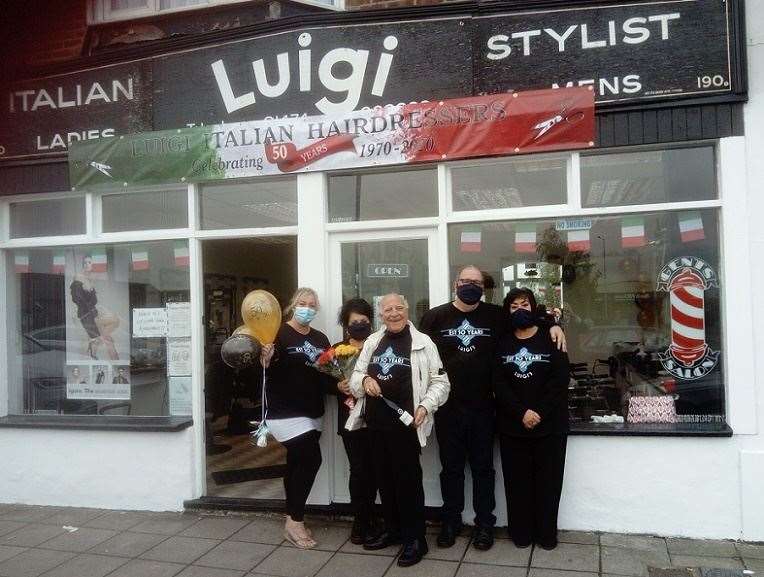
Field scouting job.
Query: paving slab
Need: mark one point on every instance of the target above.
(215, 527)
(621, 561)
(568, 556)
(195, 571)
(87, 566)
(478, 570)
(328, 537)
(754, 564)
(128, 544)
(180, 549)
(117, 520)
(236, 555)
(750, 550)
(453, 553)
(390, 551)
(580, 537)
(28, 514)
(293, 562)
(72, 516)
(165, 524)
(704, 547)
(8, 552)
(503, 552)
(425, 568)
(353, 565)
(637, 542)
(701, 561)
(31, 535)
(145, 568)
(266, 530)
(536, 572)
(33, 562)
(10, 526)
(80, 540)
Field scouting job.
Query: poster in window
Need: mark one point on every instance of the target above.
(97, 308)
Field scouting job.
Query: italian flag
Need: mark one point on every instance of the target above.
(525, 238)
(691, 226)
(140, 259)
(470, 241)
(59, 263)
(578, 240)
(181, 254)
(98, 259)
(633, 232)
(21, 262)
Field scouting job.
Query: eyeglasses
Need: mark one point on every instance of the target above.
(466, 281)
(393, 309)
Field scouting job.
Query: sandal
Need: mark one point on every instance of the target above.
(300, 542)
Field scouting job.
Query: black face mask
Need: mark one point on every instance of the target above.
(469, 294)
(359, 330)
(522, 319)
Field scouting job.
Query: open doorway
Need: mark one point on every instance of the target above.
(232, 268)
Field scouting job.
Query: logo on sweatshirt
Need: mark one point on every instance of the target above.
(465, 333)
(307, 349)
(387, 360)
(523, 359)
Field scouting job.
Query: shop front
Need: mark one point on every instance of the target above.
(125, 267)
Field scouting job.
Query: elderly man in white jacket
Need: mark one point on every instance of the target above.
(400, 377)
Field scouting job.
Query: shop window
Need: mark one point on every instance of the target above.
(100, 330)
(383, 195)
(55, 217)
(647, 177)
(151, 210)
(259, 203)
(512, 183)
(640, 303)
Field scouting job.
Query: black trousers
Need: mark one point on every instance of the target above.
(399, 476)
(533, 469)
(363, 482)
(466, 434)
(302, 463)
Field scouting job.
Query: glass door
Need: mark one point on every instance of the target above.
(370, 265)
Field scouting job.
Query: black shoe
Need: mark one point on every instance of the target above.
(521, 544)
(482, 538)
(547, 546)
(381, 540)
(359, 532)
(412, 553)
(447, 535)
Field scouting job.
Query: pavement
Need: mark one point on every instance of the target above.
(74, 542)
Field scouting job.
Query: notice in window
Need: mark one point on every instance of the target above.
(98, 382)
(149, 323)
(178, 320)
(178, 357)
(180, 395)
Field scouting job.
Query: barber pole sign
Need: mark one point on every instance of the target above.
(686, 279)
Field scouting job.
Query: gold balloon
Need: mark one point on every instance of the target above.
(262, 315)
(243, 330)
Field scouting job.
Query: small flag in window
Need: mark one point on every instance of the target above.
(633, 232)
(181, 254)
(470, 241)
(578, 240)
(98, 260)
(140, 259)
(691, 226)
(525, 238)
(59, 263)
(21, 262)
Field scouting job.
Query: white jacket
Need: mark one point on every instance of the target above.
(429, 383)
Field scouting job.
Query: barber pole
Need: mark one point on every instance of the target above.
(686, 279)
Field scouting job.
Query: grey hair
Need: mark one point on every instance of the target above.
(298, 294)
(465, 267)
(400, 297)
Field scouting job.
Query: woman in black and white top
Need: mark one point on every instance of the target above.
(295, 393)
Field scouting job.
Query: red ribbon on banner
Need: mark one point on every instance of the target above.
(286, 156)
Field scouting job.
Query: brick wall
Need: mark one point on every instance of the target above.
(59, 30)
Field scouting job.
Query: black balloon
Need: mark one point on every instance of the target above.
(240, 351)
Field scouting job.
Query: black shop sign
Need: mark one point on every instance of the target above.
(631, 53)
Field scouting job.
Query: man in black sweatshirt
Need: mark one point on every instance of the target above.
(466, 332)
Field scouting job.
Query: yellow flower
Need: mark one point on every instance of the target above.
(345, 350)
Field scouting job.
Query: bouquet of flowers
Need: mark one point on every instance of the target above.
(339, 362)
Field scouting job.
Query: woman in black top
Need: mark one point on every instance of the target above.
(530, 380)
(84, 297)
(355, 319)
(295, 405)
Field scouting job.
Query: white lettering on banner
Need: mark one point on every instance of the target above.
(351, 85)
(499, 47)
(33, 100)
